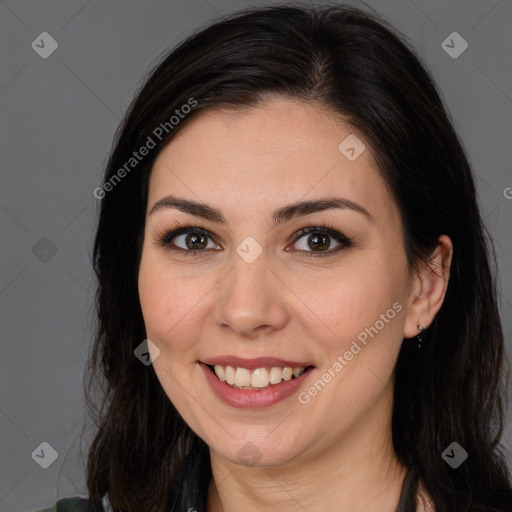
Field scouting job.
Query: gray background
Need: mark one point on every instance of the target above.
(58, 119)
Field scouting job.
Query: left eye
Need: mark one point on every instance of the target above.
(317, 242)
(319, 239)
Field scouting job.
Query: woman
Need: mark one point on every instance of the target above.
(296, 304)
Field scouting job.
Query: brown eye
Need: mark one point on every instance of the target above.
(315, 241)
(195, 241)
(188, 240)
(320, 242)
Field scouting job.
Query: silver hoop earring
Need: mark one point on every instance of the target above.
(420, 336)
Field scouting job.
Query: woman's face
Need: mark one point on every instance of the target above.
(259, 295)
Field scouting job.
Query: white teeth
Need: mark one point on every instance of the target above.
(297, 371)
(276, 375)
(287, 373)
(259, 378)
(242, 377)
(219, 371)
(230, 375)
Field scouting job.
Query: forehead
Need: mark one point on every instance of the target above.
(280, 151)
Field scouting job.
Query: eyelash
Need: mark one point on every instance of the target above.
(164, 239)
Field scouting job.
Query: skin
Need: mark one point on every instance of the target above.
(335, 452)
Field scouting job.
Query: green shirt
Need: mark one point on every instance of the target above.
(74, 504)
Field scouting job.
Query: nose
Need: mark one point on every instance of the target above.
(252, 300)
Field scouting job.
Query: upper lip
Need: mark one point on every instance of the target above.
(251, 364)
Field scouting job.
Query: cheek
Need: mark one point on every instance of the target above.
(357, 298)
(167, 301)
(365, 315)
(364, 310)
(169, 306)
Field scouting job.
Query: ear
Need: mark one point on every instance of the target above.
(428, 288)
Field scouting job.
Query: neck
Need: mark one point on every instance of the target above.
(359, 472)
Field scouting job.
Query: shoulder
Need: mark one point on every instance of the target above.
(74, 504)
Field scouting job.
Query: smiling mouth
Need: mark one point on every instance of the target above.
(256, 379)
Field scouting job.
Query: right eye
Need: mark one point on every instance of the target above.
(188, 240)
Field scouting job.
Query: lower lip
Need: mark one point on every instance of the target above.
(249, 398)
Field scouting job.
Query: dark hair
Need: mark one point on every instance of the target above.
(353, 63)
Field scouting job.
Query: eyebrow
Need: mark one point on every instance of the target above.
(279, 216)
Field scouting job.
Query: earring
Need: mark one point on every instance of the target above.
(420, 336)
